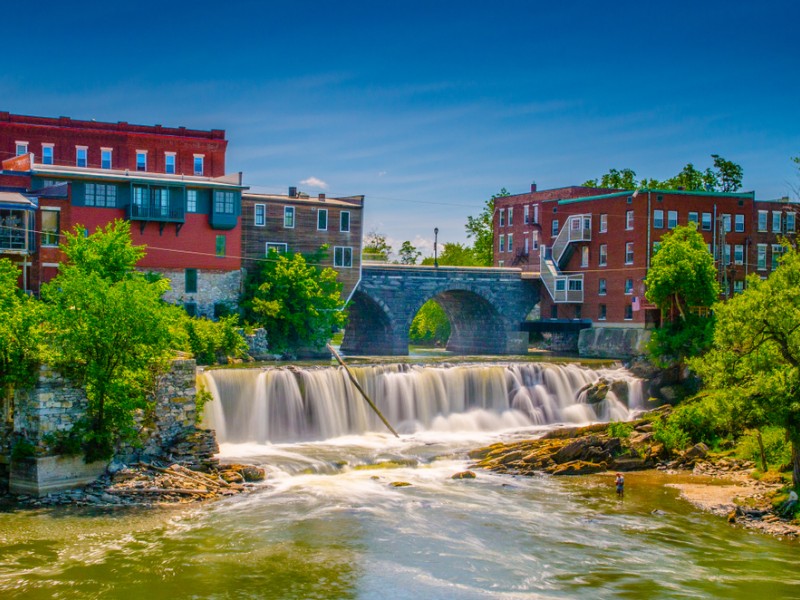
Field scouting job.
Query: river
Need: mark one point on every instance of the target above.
(329, 524)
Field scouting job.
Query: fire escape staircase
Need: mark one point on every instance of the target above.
(562, 287)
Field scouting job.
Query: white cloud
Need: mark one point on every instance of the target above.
(314, 182)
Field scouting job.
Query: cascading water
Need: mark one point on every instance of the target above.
(300, 404)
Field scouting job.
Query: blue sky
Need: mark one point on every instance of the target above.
(428, 108)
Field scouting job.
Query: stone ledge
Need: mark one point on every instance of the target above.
(47, 474)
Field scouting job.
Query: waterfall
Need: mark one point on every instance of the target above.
(291, 404)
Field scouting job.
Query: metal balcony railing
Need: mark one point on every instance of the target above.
(156, 211)
(564, 288)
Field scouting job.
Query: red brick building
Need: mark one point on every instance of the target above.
(169, 182)
(301, 223)
(591, 247)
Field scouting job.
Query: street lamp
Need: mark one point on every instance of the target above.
(435, 247)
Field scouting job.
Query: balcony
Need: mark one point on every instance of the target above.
(16, 223)
(561, 287)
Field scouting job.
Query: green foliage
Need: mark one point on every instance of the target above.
(108, 252)
(408, 254)
(728, 175)
(670, 434)
(676, 341)
(202, 398)
(481, 229)
(621, 180)
(207, 339)
(20, 331)
(298, 304)
(456, 255)
(375, 247)
(776, 448)
(430, 325)
(22, 448)
(755, 357)
(700, 420)
(620, 429)
(67, 443)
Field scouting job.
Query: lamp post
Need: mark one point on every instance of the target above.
(435, 247)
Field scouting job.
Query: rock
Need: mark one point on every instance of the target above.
(732, 516)
(597, 391)
(398, 484)
(464, 475)
(697, 451)
(578, 467)
(115, 466)
(249, 473)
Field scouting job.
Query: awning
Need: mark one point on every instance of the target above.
(17, 201)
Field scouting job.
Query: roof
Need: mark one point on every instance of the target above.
(227, 181)
(347, 201)
(17, 201)
(639, 192)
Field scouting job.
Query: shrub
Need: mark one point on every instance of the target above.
(208, 339)
(777, 450)
(620, 429)
(22, 448)
(202, 398)
(670, 434)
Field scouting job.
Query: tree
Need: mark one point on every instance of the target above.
(796, 187)
(454, 254)
(408, 254)
(729, 174)
(108, 331)
(430, 325)
(624, 179)
(297, 303)
(755, 358)
(375, 247)
(481, 229)
(20, 318)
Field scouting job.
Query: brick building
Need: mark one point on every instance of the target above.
(592, 247)
(301, 223)
(169, 182)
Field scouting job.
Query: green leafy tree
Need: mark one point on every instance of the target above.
(108, 331)
(408, 254)
(375, 247)
(297, 303)
(456, 255)
(624, 179)
(20, 318)
(481, 230)
(728, 174)
(755, 357)
(430, 325)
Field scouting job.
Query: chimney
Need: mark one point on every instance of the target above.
(322, 197)
(292, 192)
(533, 187)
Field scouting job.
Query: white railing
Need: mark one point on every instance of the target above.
(564, 288)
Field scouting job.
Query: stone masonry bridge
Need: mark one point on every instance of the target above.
(485, 306)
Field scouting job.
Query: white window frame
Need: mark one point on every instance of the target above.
(18, 145)
(672, 219)
(727, 223)
(526, 214)
(535, 240)
(584, 256)
(501, 216)
(554, 228)
(142, 153)
(536, 214)
(339, 254)
(658, 219)
(191, 201)
(739, 223)
(629, 220)
(603, 222)
(602, 259)
(777, 251)
(791, 222)
(628, 313)
(703, 222)
(510, 247)
(602, 312)
(602, 287)
(501, 243)
(628, 253)
(776, 220)
(629, 290)
(280, 247)
(510, 216)
(761, 257)
(287, 211)
(260, 215)
(694, 217)
(738, 254)
(52, 148)
(167, 157)
(56, 210)
(322, 211)
(85, 150)
(110, 152)
(202, 159)
(526, 244)
(763, 221)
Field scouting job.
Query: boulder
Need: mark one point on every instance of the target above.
(464, 475)
(697, 451)
(578, 467)
(398, 484)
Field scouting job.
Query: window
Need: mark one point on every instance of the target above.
(141, 198)
(22, 148)
(763, 215)
(190, 308)
(344, 220)
(80, 156)
(224, 202)
(191, 201)
(601, 316)
(260, 215)
(628, 253)
(160, 201)
(656, 246)
(628, 312)
(288, 217)
(776, 221)
(575, 285)
(510, 216)
(322, 219)
(535, 240)
(693, 217)
(561, 284)
(554, 311)
(526, 214)
(536, 213)
(762, 257)
(578, 311)
(777, 250)
(629, 286)
(554, 228)
(102, 194)
(629, 219)
(706, 222)
(502, 217)
(510, 242)
(672, 219)
(47, 154)
(738, 254)
(191, 281)
(658, 219)
(279, 247)
(603, 223)
(726, 223)
(738, 286)
(342, 256)
(105, 158)
(601, 287)
(603, 255)
(726, 254)
(198, 164)
(585, 256)
(501, 244)
(790, 226)
(141, 160)
(50, 227)
(630, 199)
(221, 246)
(739, 223)
(169, 162)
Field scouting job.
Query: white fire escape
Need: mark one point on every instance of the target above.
(565, 288)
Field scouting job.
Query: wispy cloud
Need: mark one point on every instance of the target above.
(314, 182)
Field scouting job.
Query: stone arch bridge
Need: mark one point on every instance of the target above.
(485, 306)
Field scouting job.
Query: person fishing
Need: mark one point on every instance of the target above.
(619, 482)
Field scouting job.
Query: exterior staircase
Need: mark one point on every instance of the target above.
(565, 288)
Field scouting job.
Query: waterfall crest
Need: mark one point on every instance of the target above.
(290, 404)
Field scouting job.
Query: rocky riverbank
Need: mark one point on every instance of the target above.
(735, 493)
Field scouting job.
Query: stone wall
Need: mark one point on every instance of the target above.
(257, 344)
(613, 342)
(213, 287)
(560, 341)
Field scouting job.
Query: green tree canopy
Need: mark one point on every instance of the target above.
(430, 325)
(481, 230)
(375, 247)
(755, 357)
(454, 254)
(297, 303)
(408, 254)
(20, 319)
(108, 251)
